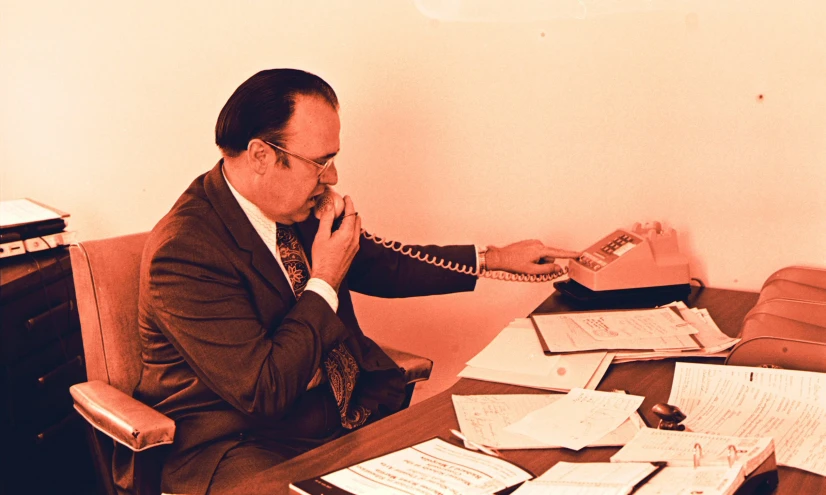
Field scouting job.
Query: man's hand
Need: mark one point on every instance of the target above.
(531, 257)
(334, 251)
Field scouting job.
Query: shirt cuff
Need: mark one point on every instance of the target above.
(476, 250)
(324, 290)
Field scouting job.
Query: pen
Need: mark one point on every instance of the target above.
(473, 445)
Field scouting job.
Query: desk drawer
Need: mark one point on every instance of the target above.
(39, 385)
(37, 318)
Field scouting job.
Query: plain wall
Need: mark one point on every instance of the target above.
(710, 119)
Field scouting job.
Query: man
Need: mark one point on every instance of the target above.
(250, 342)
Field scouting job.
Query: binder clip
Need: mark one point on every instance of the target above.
(670, 417)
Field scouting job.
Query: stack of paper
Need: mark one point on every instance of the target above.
(787, 405)
(672, 331)
(516, 357)
(712, 341)
(27, 226)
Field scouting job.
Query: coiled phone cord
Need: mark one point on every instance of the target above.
(458, 267)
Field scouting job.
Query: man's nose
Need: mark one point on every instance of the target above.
(329, 176)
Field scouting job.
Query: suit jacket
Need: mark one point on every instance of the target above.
(228, 351)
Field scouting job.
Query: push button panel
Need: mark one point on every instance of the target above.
(608, 249)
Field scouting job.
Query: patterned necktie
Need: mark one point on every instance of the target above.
(339, 364)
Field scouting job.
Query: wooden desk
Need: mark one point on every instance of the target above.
(435, 416)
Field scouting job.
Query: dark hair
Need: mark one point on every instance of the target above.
(262, 106)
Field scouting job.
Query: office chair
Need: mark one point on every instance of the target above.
(106, 276)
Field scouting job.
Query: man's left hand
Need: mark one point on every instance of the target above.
(530, 256)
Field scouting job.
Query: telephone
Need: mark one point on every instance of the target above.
(638, 266)
(331, 199)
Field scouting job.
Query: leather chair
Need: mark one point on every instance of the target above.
(106, 274)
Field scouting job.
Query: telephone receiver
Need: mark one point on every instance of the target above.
(331, 199)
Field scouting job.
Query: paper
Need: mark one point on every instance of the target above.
(649, 329)
(677, 448)
(515, 349)
(483, 419)
(712, 480)
(578, 419)
(748, 403)
(691, 378)
(587, 478)
(432, 467)
(23, 211)
(583, 370)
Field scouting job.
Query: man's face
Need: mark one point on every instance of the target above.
(312, 132)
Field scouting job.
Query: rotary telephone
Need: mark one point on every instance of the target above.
(330, 198)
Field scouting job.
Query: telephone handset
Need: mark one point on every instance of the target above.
(331, 199)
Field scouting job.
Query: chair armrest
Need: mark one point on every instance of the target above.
(126, 420)
(416, 368)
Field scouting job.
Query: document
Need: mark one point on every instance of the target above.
(433, 467)
(516, 350)
(578, 419)
(677, 448)
(648, 329)
(584, 370)
(483, 419)
(749, 403)
(588, 478)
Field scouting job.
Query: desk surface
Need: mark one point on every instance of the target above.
(435, 416)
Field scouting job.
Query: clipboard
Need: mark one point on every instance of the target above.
(548, 352)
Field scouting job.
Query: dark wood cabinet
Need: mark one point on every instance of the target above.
(45, 449)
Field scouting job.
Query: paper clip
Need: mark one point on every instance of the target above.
(475, 446)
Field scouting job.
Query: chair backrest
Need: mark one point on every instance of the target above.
(106, 274)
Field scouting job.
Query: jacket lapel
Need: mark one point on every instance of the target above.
(240, 228)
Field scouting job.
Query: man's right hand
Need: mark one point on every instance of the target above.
(334, 251)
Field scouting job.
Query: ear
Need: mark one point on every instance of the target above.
(261, 156)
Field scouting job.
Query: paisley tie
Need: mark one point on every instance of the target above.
(339, 364)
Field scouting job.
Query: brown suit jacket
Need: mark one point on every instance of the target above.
(227, 349)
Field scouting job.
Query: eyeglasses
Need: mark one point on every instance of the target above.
(321, 166)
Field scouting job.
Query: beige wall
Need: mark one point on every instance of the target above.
(559, 129)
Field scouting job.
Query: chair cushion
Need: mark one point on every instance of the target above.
(126, 420)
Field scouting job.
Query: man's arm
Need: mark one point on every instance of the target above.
(204, 307)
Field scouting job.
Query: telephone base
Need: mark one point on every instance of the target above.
(646, 297)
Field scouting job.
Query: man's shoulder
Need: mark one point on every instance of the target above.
(192, 221)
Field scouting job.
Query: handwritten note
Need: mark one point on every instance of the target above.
(484, 418)
(748, 403)
(578, 419)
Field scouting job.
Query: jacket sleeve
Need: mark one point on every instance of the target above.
(381, 271)
(204, 306)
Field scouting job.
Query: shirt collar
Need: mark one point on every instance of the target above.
(265, 227)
